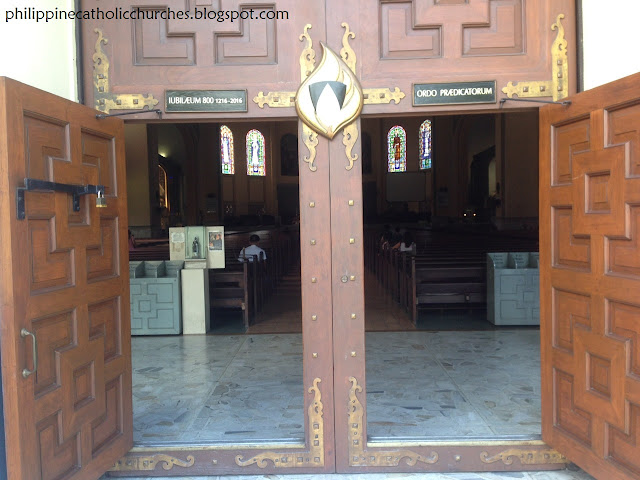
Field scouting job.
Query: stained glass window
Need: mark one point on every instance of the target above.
(425, 145)
(397, 145)
(226, 150)
(255, 153)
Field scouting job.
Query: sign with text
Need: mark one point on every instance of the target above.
(454, 93)
(205, 101)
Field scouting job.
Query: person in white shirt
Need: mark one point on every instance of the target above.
(251, 250)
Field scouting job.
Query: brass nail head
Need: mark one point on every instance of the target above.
(353, 316)
(315, 355)
(312, 204)
(314, 279)
(352, 241)
(352, 278)
(351, 203)
(456, 458)
(313, 242)
(314, 317)
(353, 354)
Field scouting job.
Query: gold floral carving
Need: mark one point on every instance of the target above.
(312, 458)
(346, 52)
(308, 55)
(105, 101)
(148, 463)
(382, 95)
(526, 457)
(358, 457)
(310, 139)
(558, 86)
(349, 138)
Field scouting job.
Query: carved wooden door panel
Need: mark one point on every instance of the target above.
(66, 352)
(590, 278)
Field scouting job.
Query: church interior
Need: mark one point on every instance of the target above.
(440, 363)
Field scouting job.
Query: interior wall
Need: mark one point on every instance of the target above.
(137, 175)
(247, 193)
(520, 133)
(412, 127)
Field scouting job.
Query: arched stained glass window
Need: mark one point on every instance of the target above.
(255, 153)
(397, 145)
(226, 150)
(425, 145)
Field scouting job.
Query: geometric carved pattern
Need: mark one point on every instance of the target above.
(417, 28)
(66, 288)
(569, 140)
(61, 457)
(103, 259)
(503, 34)
(569, 250)
(109, 426)
(591, 349)
(54, 333)
(176, 42)
(155, 306)
(622, 446)
(567, 417)
(623, 254)
(399, 37)
(105, 322)
(570, 310)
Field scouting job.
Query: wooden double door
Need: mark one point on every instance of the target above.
(65, 345)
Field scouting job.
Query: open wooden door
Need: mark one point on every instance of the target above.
(64, 288)
(590, 278)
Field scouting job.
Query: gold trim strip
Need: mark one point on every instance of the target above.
(374, 96)
(105, 101)
(558, 86)
(145, 464)
(314, 457)
(275, 99)
(527, 457)
(358, 456)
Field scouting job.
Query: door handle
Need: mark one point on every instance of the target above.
(24, 333)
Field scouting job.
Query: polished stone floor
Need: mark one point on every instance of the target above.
(213, 388)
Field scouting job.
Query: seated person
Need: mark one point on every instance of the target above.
(251, 250)
(407, 244)
(132, 241)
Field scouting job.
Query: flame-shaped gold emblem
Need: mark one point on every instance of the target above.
(331, 97)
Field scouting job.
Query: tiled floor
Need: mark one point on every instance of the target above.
(209, 388)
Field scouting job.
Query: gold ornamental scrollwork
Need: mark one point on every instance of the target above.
(358, 457)
(314, 457)
(310, 139)
(105, 101)
(558, 86)
(350, 132)
(346, 52)
(526, 457)
(148, 463)
(308, 55)
(349, 138)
